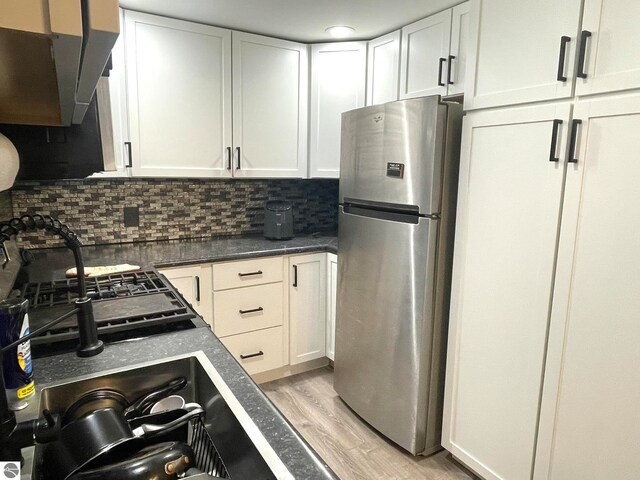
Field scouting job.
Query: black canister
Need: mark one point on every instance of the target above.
(17, 366)
(278, 220)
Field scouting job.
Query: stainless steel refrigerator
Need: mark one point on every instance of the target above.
(398, 183)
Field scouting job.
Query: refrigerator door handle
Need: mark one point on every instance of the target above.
(390, 215)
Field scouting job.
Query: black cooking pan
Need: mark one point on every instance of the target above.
(85, 440)
(107, 398)
(163, 461)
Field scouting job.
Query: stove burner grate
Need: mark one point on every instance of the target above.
(124, 304)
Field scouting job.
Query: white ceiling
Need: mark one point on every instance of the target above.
(300, 20)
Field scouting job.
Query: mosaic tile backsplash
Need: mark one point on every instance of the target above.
(171, 209)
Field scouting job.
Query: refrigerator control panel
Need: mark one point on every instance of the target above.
(395, 170)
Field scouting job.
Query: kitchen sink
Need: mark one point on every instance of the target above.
(243, 449)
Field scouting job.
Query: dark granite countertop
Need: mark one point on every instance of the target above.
(51, 263)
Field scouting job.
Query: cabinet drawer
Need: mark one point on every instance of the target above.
(247, 272)
(246, 309)
(268, 344)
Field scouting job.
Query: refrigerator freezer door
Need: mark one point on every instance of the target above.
(393, 153)
(384, 322)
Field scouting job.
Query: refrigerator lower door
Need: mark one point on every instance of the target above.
(384, 324)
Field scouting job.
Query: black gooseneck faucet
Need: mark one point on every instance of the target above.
(15, 436)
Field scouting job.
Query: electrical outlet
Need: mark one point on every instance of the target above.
(131, 217)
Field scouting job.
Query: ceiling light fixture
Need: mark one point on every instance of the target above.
(340, 31)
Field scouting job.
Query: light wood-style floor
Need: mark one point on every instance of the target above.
(349, 446)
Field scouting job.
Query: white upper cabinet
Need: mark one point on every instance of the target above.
(383, 68)
(270, 96)
(424, 56)
(179, 96)
(117, 100)
(459, 51)
(609, 57)
(590, 420)
(521, 51)
(180, 106)
(509, 199)
(434, 54)
(337, 85)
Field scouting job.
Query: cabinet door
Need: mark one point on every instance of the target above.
(590, 420)
(179, 103)
(457, 60)
(612, 61)
(117, 99)
(383, 68)
(307, 307)
(508, 214)
(194, 284)
(337, 85)
(423, 61)
(270, 88)
(332, 291)
(514, 51)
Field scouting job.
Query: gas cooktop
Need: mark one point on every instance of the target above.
(126, 306)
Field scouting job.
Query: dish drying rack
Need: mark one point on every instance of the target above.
(207, 458)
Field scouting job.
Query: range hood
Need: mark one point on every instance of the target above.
(73, 152)
(52, 54)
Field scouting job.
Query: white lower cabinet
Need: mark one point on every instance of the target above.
(307, 307)
(246, 309)
(194, 284)
(248, 313)
(541, 379)
(589, 418)
(257, 351)
(269, 312)
(332, 293)
(508, 212)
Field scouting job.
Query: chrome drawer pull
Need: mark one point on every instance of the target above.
(251, 355)
(248, 274)
(253, 310)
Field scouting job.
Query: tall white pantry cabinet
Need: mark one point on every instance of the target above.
(544, 332)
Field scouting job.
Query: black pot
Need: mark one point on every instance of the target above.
(83, 441)
(92, 401)
(163, 461)
(106, 398)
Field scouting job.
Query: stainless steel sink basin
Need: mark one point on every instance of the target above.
(243, 449)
